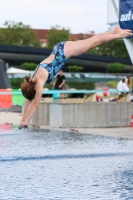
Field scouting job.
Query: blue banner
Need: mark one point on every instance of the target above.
(126, 14)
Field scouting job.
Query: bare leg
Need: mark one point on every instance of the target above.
(81, 46)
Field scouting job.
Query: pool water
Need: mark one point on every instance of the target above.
(48, 165)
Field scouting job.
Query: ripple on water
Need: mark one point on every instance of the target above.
(60, 165)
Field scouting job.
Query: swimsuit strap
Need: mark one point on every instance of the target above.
(35, 71)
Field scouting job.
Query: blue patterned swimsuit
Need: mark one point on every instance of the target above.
(59, 61)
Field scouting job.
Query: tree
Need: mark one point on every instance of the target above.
(116, 67)
(55, 35)
(114, 48)
(18, 34)
(29, 66)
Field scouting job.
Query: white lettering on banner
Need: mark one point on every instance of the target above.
(126, 17)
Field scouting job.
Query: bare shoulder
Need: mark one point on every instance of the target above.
(42, 75)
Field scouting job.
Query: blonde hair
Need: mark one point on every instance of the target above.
(28, 88)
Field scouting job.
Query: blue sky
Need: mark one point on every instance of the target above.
(78, 15)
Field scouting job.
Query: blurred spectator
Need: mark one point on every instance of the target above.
(98, 98)
(113, 99)
(122, 85)
(59, 81)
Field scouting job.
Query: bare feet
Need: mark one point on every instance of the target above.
(122, 33)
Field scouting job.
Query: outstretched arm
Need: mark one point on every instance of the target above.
(26, 110)
(54, 83)
(31, 106)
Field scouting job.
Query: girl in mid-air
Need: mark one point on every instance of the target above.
(32, 86)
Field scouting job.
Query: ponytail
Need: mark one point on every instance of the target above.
(27, 78)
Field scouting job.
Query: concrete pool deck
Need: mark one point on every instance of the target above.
(124, 132)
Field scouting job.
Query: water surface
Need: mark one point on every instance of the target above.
(48, 165)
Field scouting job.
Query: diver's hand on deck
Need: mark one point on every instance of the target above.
(23, 124)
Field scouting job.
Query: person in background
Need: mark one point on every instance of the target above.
(122, 86)
(98, 98)
(59, 81)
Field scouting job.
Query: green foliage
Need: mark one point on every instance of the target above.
(29, 66)
(76, 85)
(112, 84)
(16, 83)
(75, 68)
(114, 48)
(116, 67)
(55, 35)
(81, 85)
(49, 86)
(18, 34)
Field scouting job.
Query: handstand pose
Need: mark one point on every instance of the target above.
(32, 86)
